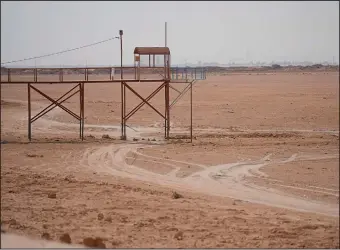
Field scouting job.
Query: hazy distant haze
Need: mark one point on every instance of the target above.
(197, 31)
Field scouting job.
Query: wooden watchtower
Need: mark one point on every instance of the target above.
(151, 53)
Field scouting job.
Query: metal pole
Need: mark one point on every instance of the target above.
(166, 112)
(80, 110)
(124, 86)
(124, 110)
(29, 111)
(139, 70)
(83, 114)
(35, 75)
(191, 111)
(135, 67)
(165, 65)
(169, 67)
(166, 38)
(121, 84)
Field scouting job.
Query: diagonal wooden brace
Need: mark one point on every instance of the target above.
(140, 105)
(52, 106)
(181, 94)
(133, 91)
(172, 87)
(57, 103)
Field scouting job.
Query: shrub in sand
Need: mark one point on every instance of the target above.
(106, 136)
(176, 195)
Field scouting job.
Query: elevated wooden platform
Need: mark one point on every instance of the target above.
(99, 75)
(79, 75)
(81, 81)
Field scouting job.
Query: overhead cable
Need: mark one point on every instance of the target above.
(61, 52)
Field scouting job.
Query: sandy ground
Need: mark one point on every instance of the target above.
(263, 170)
(17, 241)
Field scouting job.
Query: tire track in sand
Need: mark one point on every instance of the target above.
(226, 180)
(222, 180)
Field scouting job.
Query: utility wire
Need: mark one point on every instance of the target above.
(61, 52)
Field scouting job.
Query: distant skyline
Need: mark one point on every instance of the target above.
(201, 64)
(219, 32)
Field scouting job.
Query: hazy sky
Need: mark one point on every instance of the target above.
(197, 31)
